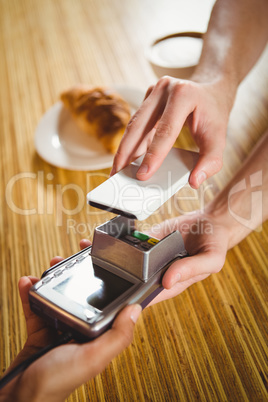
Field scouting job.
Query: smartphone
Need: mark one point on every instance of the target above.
(124, 195)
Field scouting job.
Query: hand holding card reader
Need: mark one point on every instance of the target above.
(85, 292)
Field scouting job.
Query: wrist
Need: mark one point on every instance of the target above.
(223, 85)
(218, 214)
(232, 212)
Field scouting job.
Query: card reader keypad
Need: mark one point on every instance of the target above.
(140, 240)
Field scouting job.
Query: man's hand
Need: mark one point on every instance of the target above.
(206, 243)
(157, 123)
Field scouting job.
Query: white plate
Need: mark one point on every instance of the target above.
(61, 143)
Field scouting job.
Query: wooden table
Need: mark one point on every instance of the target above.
(209, 343)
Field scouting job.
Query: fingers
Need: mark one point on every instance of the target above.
(196, 266)
(75, 364)
(55, 260)
(139, 130)
(206, 167)
(180, 104)
(157, 123)
(148, 92)
(25, 283)
(110, 344)
(38, 336)
(210, 157)
(178, 288)
(84, 243)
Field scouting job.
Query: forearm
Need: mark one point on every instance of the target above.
(235, 38)
(243, 205)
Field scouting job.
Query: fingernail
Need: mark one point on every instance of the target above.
(176, 279)
(112, 172)
(136, 310)
(201, 176)
(143, 169)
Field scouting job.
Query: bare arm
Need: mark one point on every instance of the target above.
(236, 36)
(240, 208)
(243, 205)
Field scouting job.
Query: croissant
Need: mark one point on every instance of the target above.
(98, 111)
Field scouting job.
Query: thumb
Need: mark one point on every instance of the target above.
(25, 283)
(207, 165)
(91, 358)
(197, 265)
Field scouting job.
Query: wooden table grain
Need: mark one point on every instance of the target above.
(209, 343)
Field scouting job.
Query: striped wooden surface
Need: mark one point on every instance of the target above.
(209, 343)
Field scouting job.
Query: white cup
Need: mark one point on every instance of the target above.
(175, 55)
